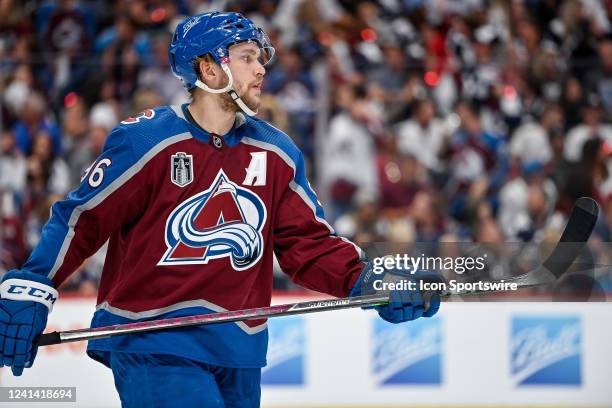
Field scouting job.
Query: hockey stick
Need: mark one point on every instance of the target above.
(580, 225)
(578, 230)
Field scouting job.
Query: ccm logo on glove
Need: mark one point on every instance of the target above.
(21, 289)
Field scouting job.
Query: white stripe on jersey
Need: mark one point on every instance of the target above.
(147, 314)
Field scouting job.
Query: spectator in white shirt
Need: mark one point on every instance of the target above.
(530, 142)
(349, 164)
(590, 128)
(422, 136)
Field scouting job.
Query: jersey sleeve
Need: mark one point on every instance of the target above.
(111, 194)
(307, 247)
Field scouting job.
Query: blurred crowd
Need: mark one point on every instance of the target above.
(421, 121)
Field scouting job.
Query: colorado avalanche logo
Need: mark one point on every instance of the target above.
(224, 221)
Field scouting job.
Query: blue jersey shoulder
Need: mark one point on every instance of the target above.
(262, 131)
(150, 127)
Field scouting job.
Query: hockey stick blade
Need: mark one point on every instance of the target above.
(578, 230)
(580, 225)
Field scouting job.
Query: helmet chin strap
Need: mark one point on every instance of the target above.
(229, 88)
(241, 104)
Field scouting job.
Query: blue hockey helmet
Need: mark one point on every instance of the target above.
(213, 33)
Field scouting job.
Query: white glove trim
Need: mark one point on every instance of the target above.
(23, 289)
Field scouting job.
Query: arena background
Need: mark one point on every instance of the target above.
(421, 121)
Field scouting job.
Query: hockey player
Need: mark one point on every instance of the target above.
(193, 201)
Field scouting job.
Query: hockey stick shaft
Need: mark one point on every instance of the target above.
(219, 317)
(580, 225)
(216, 318)
(227, 317)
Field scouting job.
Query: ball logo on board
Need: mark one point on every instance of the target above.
(286, 352)
(546, 350)
(407, 353)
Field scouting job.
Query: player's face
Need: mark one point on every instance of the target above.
(248, 72)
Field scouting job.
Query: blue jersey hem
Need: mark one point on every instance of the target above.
(225, 345)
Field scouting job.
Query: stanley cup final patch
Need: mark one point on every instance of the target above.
(181, 169)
